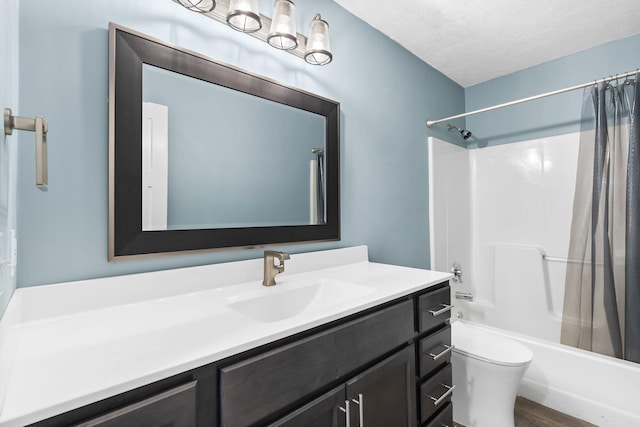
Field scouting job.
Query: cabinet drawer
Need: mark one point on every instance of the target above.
(444, 418)
(265, 384)
(435, 350)
(434, 308)
(435, 393)
(173, 408)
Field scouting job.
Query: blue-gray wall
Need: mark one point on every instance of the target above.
(8, 146)
(385, 94)
(555, 115)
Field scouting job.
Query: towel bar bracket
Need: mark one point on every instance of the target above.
(40, 126)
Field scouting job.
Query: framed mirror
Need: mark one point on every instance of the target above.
(205, 156)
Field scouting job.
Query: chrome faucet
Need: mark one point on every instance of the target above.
(270, 269)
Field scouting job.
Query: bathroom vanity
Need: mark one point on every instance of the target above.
(239, 355)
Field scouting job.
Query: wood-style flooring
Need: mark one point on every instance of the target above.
(532, 414)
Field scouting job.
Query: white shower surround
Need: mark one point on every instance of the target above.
(498, 210)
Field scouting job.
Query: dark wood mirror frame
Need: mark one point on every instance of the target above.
(128, 51)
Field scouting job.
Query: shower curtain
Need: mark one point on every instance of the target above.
(602, 290)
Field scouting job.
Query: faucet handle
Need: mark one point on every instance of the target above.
(281, 256)
(456, 269)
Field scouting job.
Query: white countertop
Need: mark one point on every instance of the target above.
(68, 345)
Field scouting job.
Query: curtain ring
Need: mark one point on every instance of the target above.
(607, 86)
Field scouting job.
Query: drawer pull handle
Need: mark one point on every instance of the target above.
(438, 400)
(447, 349)
(360, 403)
(446, 307)
(346, 412)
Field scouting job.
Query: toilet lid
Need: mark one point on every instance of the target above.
(492, 348)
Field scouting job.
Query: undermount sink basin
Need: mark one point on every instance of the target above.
(289, 299)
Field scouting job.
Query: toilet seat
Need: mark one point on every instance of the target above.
(488, 347)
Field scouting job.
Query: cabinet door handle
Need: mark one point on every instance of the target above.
(438, 400)
(446, 307)
(360, 403)
(447, 349)
(346, 412)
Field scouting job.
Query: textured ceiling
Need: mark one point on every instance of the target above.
(475, 41)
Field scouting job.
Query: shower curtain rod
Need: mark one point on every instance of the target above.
(533, 98)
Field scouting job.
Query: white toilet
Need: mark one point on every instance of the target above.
(487, 369)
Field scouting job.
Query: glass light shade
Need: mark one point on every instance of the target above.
(244, 16)
(318, 47)
(201, 6)
(283, 26)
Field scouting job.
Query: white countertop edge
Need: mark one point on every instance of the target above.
(186, 365)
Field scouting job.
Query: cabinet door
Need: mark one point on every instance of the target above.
(256, 388)
(173, 408)
(322, 412)
(384, 395)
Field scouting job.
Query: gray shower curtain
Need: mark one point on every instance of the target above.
(602, 290)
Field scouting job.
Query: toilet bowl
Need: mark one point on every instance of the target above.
(487, 369)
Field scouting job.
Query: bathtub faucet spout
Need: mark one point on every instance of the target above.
(464, 295)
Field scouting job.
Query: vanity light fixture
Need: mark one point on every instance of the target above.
(279, 31)
(244, 16)
(283, 26)
(201, 6)
(318, 47)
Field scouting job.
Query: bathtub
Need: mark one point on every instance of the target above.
(527, 307)
(504, 214)
(595, 388)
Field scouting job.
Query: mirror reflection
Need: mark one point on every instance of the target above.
(215, 157)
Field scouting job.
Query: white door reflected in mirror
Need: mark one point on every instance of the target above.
(155, 165)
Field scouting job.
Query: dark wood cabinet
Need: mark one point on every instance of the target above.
(253, 389)
(434, 309)
(435, 350)
(444, 417)
(183, 400)
(381, 396)
(385, 366)
(327, 410)
(384, 395)
(433, 357)
(173, 408)
(435, 392)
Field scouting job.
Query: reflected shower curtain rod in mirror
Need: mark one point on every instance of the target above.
(430, 123)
